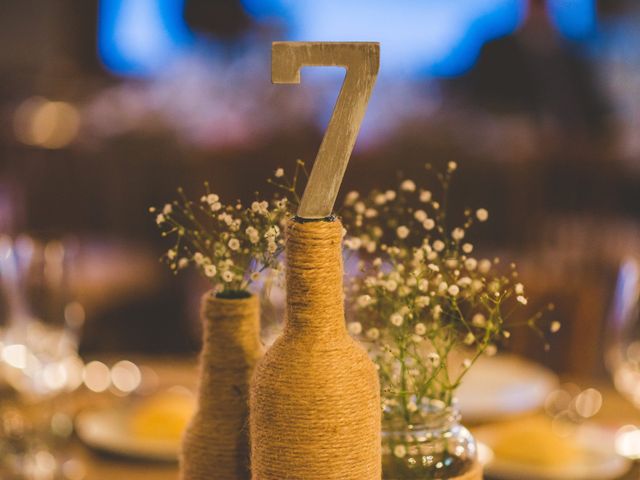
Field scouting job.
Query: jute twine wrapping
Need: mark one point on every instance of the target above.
(315, 404)
(474, 474)
(215, 445)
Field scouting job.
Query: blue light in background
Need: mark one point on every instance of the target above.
(576, 19)
(426, 37)
(141, 37)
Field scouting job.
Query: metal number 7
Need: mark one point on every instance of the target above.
(361, 61)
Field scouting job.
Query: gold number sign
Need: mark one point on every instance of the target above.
(361, 61)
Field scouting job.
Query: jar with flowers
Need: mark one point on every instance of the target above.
(427, 308)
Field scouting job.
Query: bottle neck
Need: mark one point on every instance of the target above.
(231, 328)
(315, 298)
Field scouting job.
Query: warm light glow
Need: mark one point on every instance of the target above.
(15, 355)
(628, 442)
(125, 376)
(43, 123)
(588, 403)
(96, 376)
(54, 376)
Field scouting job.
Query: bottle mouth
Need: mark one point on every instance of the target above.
(432, 415)
(330, 218)
(233, 294)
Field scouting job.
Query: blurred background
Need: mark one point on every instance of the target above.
(107, 106)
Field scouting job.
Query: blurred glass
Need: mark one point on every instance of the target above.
(38, 356)
(623, 335)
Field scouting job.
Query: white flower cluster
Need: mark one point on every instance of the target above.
(229, 244)
(423, 299)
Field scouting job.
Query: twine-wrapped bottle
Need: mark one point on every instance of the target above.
(315, 397)
(215, 445)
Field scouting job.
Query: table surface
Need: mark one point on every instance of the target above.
(615, 412)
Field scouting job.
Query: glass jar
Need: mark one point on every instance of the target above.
(431, 445)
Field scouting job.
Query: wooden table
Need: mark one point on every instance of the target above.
(615, 412)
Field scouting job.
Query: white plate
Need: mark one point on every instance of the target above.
(106, 430)
(599, 462)
(501, 386)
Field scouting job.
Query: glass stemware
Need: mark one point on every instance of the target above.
(623, 335)
(38, 356)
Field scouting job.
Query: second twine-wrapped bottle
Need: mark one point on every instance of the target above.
(315, 397)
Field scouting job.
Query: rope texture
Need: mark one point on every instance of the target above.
(215, 444)
(314, 402)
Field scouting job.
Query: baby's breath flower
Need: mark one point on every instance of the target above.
(469, 339)
(183, 263)
(227, 276)
(482, 214)
(491, 350)
(434, 359)
(254, 276)
(451, 166)
(457, 234)
(370, 213)
(364, 300)
(390, 195)
(279, 173)
(350, 198)
(160, 219)
(555, 326)
(391, 285)
(402, 232)
(521, 299)
(400, 451)
(484, 266)
(438, 245)
(234, 244)
(355, 328)
(353, 243)
(466, 363)
(453, 290)
(167, 209)
(425, 196)
(210, 271)
(433, 267)
(518, 288)
(397, 319)
(420, 328)
(422, 301)
(373, 333)
(216, 206)
(408, 186)
(471, 264)
(467, 248)
(479, 320)
(429, 224)
(420, 215)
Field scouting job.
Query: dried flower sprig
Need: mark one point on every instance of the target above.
(424, 304)
(231, 245)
